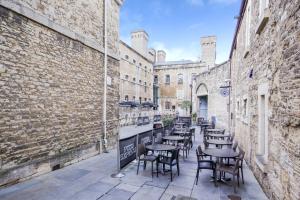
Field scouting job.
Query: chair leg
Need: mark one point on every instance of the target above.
(197, 176)
(178, 170)
(152, 169)
(242, 174)
(171, 173)
(215, 177)
(144, 165)
(238, 178)
(156, 168)
(137, 171)
(234, 184)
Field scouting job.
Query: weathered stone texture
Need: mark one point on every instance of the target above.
(218, 105)
(274, 58)
(51, 98)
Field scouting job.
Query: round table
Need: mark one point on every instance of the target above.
(220, 153)
(216, 135)
(173, 138)
(214, 130)
(219, 142)
(160, 147)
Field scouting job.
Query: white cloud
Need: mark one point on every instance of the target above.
(189, 52)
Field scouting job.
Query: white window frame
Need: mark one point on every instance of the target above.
(262, 152)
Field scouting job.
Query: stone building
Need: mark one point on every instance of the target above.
(211, 94)
(175, 78)
(136, 77)
(59, 83)
(265, 95)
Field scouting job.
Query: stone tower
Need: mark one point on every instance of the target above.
(139, 41)
(161, 56)
(208, 49)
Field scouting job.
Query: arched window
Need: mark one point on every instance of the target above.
(167, 81)
(180, 79)
(167, 105)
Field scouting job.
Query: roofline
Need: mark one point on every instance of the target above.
(140, 30)
(135, 51)
(237, 28)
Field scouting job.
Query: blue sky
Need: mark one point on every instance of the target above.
(177, 25)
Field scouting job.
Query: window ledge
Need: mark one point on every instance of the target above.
(261, 163)
(263, 21)
(246, 52)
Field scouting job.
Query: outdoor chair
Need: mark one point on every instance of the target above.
(233, 170)
(142, 156)
(192, 131)
(204, 164)
(234, 145)
(185, 147)
(231, 137)
(171, 161)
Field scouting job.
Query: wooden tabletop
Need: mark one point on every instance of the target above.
(173, 138)
(219, 142)
(220, 153)
(160, 147)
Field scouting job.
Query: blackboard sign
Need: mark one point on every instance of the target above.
(127, 150)
(140, 121)
(146, 120)
(145, 137)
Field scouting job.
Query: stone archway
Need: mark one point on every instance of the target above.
(202, 100)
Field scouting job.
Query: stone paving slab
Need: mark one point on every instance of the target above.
(90, 180)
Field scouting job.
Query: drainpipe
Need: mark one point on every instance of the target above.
(105, 77)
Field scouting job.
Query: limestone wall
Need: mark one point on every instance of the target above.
(51, 88)
(269, 69)
(218, 105)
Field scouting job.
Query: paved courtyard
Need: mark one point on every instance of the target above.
(90, 180)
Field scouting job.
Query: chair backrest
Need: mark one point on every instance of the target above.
(206, 144)
(232, 137)
(175, 154)
(141, 149)
(159, 139)
(234, 146)
(241, 153)
(238, 163)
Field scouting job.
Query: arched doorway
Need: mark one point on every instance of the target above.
(202, 99)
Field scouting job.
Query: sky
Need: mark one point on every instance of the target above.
(176, 26)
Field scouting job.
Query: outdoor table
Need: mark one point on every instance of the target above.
(204, 126)
(160, 147)
(214, 130)
(217, 135)
(174, 138)
(221, 153)
(180, 132)
(219, 142)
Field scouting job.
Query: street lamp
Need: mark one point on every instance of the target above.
(191, 106)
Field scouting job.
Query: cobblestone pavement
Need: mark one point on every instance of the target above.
(90, 180)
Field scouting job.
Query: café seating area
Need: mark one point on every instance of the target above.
(217, 151)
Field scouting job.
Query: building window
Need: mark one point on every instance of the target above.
(167, 81)
(126, 97)
(238, 107)
(263, 5)
(180, 94)
(193, 76)
(126, 57)
(140, 81)
(133, 98)
(155, 79)
(140, 64)
(145, 83)
(134, 61)
(262, 150)
(248, 24)
(145, 99)
(140, 100)
(133, 79)
(126, 76)
(180, 79)
(245, 108)
(167, 105)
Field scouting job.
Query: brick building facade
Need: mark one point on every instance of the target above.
(52, 83)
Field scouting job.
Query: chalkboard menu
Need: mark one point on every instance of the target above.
(127, 150)
(145, 137)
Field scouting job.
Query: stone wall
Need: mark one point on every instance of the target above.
(269, 65)
(51, 89)
(218, 105)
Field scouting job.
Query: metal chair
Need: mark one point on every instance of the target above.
(142, 156)
(171, 161)
(204, 164)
